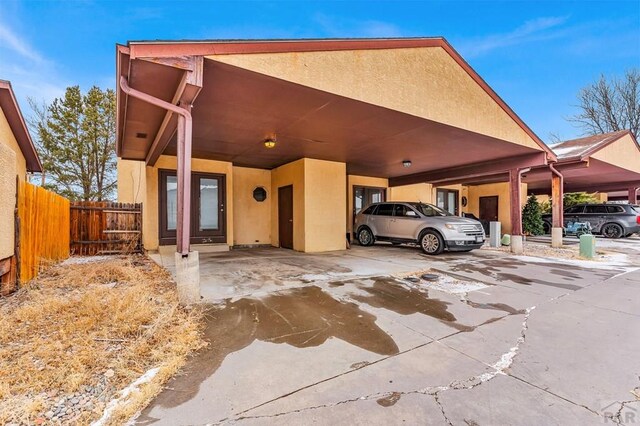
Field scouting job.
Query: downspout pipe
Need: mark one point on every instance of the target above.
(185, 125)
(561, 208)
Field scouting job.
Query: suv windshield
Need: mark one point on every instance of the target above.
(430, 210)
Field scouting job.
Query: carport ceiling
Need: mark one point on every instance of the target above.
(593, 176)
(237, 109)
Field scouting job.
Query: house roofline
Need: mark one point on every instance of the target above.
(18, 126)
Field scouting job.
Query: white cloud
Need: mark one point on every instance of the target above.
(339, 27)
(535, 30)
(12, 41)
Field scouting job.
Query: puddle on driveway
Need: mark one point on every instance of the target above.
(388, 293)
(300, 317)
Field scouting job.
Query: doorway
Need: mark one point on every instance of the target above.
(285, 216)
(489, 208)
(447, 199)
(208, 220)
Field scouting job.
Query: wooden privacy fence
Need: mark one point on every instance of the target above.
(104, 227)
(43, 229)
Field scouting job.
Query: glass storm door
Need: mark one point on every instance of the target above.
(207, 208)
(447, 199)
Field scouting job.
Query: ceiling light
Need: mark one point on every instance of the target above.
(406, 163)
(270, 142)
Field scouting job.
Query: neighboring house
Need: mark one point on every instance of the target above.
(17, 158)
(602, 164)
(353, 122)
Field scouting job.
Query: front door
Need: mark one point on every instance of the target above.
(208, 192)
(489, 208)
(285, 216)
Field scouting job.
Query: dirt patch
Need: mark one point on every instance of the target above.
(71, 339)
(390, 400)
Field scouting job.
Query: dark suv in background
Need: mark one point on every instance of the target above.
(610, 220)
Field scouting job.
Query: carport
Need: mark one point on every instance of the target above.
(602, 163)
(309, 115)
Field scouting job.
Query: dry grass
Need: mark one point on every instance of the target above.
(65, 329)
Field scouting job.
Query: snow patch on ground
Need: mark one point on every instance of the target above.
(452, 285)
(80, 260)
(124, 394)
(609, 261)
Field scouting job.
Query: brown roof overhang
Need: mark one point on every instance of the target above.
(11, 110)
(159, 49)
(587, 146)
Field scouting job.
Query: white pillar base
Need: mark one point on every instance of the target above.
(556, 237)
(188, 278)
(517, 244)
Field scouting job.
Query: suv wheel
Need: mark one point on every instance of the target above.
(365, 237)
(431, 242)
(612, 230)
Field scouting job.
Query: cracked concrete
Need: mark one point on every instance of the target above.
(344, 338)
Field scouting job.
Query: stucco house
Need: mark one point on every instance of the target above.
(18, 157)
(283, 141)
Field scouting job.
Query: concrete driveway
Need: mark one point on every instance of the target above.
(358, 337)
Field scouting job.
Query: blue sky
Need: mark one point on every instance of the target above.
(536, 55)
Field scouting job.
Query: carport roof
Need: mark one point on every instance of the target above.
(583, 171)
(236, 108)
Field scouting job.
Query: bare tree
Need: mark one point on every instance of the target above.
(610, 105)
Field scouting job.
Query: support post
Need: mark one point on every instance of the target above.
(557, 206)
(633, 198)
(184, 133)
(515, 179)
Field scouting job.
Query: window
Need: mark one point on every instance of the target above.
(430, 210)
(596, 209)
(369, 210)
(384, 210)
(259, 194)
(447, 199)
(574, 209)
(399, 210)
(615, 209)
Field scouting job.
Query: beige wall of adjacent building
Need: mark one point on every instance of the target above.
(7, 200)
(8, 139)
(12, 164)
(426, 82)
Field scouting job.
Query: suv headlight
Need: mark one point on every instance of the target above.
(452, 226)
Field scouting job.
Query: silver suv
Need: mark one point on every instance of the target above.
(431, 227)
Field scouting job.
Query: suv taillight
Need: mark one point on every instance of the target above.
(638, 220)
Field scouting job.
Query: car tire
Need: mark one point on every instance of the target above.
(431, 242)
(612, 230)
(365, 237)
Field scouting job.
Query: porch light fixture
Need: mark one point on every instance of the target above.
(270, 142)
(406, 163)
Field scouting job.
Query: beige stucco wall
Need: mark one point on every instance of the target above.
(8, 139)
(426, 82)
(493, 189)
(7, 200)
(355, 180)
(251, 219)
(622, 153)
(130, 178)
(325, 197)
(417, 192)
